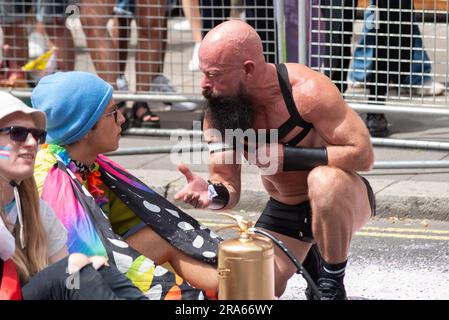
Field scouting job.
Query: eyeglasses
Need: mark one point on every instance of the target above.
(115, 113)
(20, 134)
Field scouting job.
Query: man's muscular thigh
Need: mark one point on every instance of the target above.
(339, 192)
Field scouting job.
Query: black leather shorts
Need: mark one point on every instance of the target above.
(296, 220)
(291, 220)
(371, 196)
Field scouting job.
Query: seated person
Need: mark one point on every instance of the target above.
(33, 252)
(101, 204)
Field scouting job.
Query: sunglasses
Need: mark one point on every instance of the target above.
(20, 134)
(115, 113)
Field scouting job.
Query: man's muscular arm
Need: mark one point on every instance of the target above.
(348, 141)
(224, 169)
(222, 190)
(229, 176)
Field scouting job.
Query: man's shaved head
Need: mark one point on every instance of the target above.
(234, 41)
(231, 59)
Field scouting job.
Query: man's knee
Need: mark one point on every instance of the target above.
(324, 183)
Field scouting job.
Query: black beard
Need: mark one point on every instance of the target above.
(229, 112)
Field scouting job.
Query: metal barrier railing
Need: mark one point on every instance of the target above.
(146, 49)
(197, 147)
(397, 53)
(384, 142)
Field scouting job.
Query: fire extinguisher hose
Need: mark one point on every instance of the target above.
(298, 265)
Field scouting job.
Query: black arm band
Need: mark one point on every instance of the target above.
(297, 158)
(218, 195)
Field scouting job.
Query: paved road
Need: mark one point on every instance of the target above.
(389, 259)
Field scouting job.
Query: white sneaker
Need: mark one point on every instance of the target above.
(123, 13)
(183, 25)
(355, 84)
(194, 64)
(183, 106)
(162, 84)
(429, 88)
(122, 83)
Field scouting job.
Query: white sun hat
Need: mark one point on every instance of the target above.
(10, 104)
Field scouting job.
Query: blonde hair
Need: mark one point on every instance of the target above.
(34, 257)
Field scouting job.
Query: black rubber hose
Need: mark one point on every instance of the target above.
(295, 261)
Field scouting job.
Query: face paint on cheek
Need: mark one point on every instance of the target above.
(5, 152)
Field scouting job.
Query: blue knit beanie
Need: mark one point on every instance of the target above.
(73, 102)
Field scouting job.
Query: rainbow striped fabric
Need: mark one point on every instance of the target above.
(90, 231)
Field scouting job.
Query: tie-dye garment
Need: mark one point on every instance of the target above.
(90, 232)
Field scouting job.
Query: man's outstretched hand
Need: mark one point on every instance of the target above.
(195, 191)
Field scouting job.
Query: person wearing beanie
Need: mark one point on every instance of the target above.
(71, 119)
(106, 210)
(33, 251)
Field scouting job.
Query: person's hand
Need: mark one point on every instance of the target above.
(195, 191)
(77, 261)
(267, 157)
(98, 262)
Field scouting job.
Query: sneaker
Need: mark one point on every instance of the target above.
(183, 106)
(356, 84)
(122, 83)
(429, 88)
(377, 125)
(122, 12)
(194, 64)
(331, 289)
(183, 25)
(162, 84)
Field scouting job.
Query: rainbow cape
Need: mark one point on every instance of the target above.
(90, 232)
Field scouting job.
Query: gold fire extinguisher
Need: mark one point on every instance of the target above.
(245, 264)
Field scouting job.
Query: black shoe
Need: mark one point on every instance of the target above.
(331, 289)
(377, 125)
(153, 120)
(312, 264)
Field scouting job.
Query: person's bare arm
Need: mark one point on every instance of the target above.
(227, 174)
(223, 169)
(349, 146)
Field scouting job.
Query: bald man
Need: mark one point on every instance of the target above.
(316, 196)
